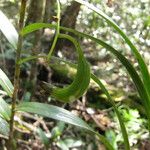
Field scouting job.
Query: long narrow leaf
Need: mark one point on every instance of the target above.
(6, 83)
(5, 111)
(4, 127)
(142, 90)
(100, 84)
(60, 114)
(135, 77)
(23, 60)
(142, 65)
(8, 30)
(121, 121)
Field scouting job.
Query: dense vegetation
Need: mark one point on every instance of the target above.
(80, 63)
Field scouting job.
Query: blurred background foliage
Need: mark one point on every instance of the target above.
(134, 18)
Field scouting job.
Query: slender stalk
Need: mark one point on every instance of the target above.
(57, 31)
(17, 75)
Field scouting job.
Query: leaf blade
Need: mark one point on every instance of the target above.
(60, 114)
(6, 83)
(8, 30)
(5, 111)
(141, 62)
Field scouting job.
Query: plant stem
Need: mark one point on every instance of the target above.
(17, 75)
(57, 31)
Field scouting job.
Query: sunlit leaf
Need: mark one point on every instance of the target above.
(6, 83)
(141, 62)
(4, 127)
(5, 111)
(102, 87)
(52, 112)
(8, 30)
(80, 83)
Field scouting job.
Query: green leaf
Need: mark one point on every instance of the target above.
(35, 26)
(43, 137)
(8, 30)
(58, 130)
(135, 77)
(23, 60)
(80, 83)
(6, 83)
(100, 84)
(60, 114)
(5, 111)
(142, 64)
(4, 127)
(121, 122)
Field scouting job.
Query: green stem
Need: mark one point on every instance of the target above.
(57, 31)
(17, 75)
(31, 58)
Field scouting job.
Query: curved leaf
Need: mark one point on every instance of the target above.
(121, 122)
(100, 84)
(8, 30)
(60, 114)
(6, 83)
(142, 64)
(80, 83)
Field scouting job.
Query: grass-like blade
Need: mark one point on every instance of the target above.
(142, 64)
(6, 83)
(5, 111)
(135, 77)
(60, 114)
(4, 127)
(80, 83)
(100, 84)
(8, 30)
(121, 121)
(142, 90)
